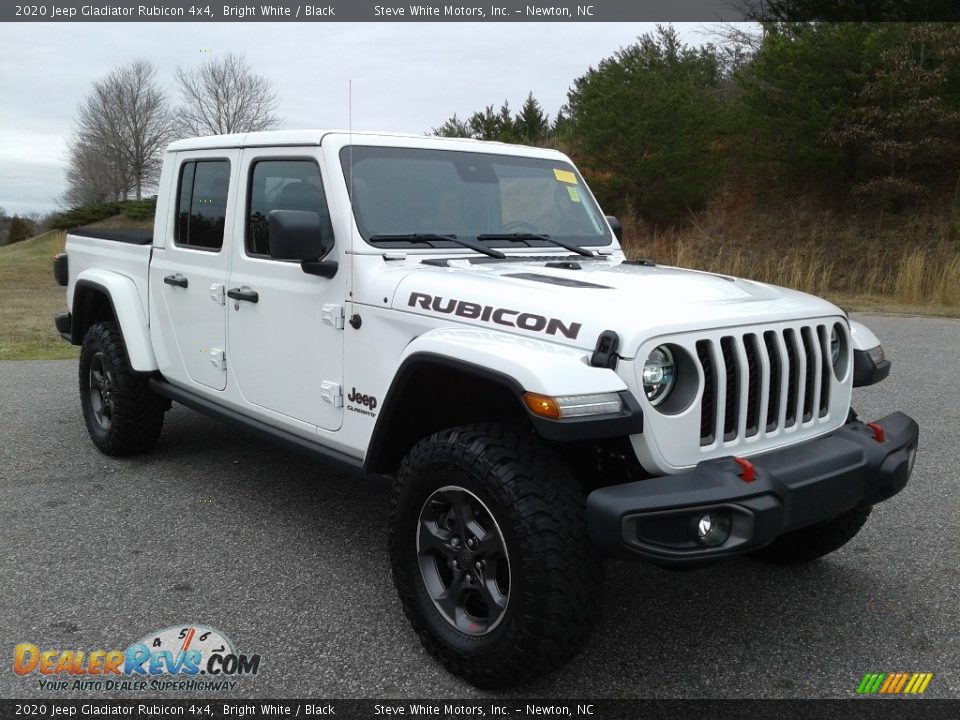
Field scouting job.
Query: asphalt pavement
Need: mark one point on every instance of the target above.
(288, 559)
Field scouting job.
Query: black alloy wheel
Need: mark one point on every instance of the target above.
(463, 560)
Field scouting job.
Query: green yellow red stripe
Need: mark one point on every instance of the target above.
(894, 683)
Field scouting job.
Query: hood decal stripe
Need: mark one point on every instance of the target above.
(556, 280)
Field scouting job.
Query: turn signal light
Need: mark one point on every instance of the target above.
(572, 406)
(542, 405)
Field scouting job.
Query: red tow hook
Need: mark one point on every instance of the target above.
(878, 433)
(747, 474)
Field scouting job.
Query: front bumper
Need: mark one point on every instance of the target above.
(797, 486)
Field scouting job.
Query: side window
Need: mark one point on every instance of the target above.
(202, 204)
(282, 185)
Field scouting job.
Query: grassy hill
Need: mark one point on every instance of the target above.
(29, 298)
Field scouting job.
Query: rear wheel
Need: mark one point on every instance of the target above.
(122, 414)
(810, 543)
(490, 554)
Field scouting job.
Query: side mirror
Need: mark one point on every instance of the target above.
(301, 235)
(296, 235)
(616, 227)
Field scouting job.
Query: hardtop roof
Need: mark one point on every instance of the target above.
(278, 138)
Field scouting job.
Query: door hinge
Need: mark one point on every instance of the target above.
(332, 393)
(333, 315)
(218, 293)
(218, 358)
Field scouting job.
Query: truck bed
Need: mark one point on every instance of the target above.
(133, 237)
(120, 252)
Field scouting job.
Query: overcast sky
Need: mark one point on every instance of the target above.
(406, 76)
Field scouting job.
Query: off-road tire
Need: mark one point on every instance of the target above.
(132, 412)
(810, 543)
(555, 576)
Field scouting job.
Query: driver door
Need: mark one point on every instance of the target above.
(284, 350)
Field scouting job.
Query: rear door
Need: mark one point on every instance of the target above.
(188, 274)
(285, 327)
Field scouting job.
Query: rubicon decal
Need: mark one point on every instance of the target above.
(184, 653)
(500, 316)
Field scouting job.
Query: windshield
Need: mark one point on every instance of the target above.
(399, 192)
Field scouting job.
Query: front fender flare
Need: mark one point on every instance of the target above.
(862, 336)
(517, 364)
(533, 365)
(868, 369)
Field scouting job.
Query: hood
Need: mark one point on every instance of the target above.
(572, 305)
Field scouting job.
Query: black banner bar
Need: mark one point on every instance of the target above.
(477, 11)
(855, 709)
(374, 11)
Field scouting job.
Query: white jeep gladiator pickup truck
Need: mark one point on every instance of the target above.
(459, 316)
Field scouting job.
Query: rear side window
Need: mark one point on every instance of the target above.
(202, 204)
(283, 185)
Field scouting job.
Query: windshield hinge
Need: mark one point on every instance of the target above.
(333, 315)
(605, 352)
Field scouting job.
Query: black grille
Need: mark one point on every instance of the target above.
(753, 383)
(708, 405)
(793, 377)
(731, 365)
(826, 368)
(754, 363)
(810, 366)
(776, 378)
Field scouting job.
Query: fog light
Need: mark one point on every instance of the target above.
(713, 528)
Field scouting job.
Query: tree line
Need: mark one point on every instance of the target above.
(864, 112)
(125, 121)
(15, 229)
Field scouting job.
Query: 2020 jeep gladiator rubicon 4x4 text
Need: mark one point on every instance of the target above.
(459, 315)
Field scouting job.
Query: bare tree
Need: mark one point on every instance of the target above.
(122, 127)
(225, 96)
(92, 177)
(147, 123)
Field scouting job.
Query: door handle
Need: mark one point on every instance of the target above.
(243, 293)
(178, 280)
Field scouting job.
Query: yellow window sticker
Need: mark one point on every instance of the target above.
(565, 176)
(574, 195)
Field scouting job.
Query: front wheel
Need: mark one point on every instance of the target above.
(490, 554)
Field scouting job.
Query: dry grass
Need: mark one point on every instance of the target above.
(29, 298)
(892, 263)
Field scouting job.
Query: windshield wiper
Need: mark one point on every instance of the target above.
(536, 236)
(430, 237)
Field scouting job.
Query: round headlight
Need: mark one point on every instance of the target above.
(834, 345)
(659, 373)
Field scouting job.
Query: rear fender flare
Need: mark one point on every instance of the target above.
(128, 310)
